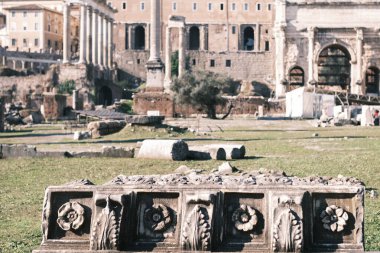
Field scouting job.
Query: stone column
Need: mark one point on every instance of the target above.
(32, 65)
(66, 33)
(280, 62)
(310, 56)
(359, 73)
(202, 38)
(181, 52)
(82, 35)
(155, 25)
(130, 37)
(100, 39)
(89, 34)
(14, 64)
(168, 63)
(23, 65)
(110, 43)
(95, 37)
(257, 38)
(105, 40)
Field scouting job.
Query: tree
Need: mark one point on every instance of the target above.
(202, 90)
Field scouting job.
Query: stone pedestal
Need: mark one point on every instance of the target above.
(157, 103)
(155, 76)
(251, 212)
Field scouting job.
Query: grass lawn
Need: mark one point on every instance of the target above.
(350, 151)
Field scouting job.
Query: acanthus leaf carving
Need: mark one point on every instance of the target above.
(196, 234)
(287, 232)
(106, 230)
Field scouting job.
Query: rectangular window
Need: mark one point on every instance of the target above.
(36, 42)
(14, 41)
(174, 6)
(142, 6)
(124, 6)
(194, 62)
(246, 7)
(25, 42)
(49, 43)
(233, 29)
(36, 26)
(221, 7)
(56, 44)
(138, 61)
(194, 6)
(258, 7)
(49, 28)
(233, 6)
(13, 14)
(266, 45)
(228, 63)
(269, 7)
(209, 6)
(25, 27)
(212, 63)
(25, 14)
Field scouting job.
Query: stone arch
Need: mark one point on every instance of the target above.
(296, 77)
(248, 38)
(334, 67)
(139, 38)
(338, 44)
(105, 96)
(372, 80)
(194, 38)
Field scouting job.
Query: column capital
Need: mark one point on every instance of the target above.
(359, 33)
(95, 11)
(89, 7)
(311, 32)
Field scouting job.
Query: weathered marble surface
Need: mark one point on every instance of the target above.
(259, 211)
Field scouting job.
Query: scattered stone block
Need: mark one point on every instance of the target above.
(19, 150)
(81, 135)
(144, 120)
(176, 150)
(206, 153)
(226, 168)
(183, 169)
(233, 151)
(100, 128)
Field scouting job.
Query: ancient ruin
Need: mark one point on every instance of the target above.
(250, 212)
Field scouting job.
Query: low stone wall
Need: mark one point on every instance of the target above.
(250, 212)
(100, 128)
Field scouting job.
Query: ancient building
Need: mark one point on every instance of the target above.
(2, 111)
(230, 37)
(329, 44)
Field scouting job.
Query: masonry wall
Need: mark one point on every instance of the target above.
(2, 112)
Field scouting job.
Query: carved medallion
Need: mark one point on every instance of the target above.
(157, 218)
(196, 234)
(334, 218)
(244, 218)
(106, 230)
(70, 216)
(287, 232)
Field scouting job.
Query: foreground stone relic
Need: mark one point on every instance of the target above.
(249, 212)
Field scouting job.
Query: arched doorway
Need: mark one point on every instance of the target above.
(194, 38)
(249, 38)
(139, 38)
(372, 80)
(296, 78)
(334, 68)
(105, 96)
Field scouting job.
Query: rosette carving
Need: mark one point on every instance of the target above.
(244, 218)
(287, 232)
(106, 230)
(70, 216)
(196, 234)
(334, 218)
(157, 218)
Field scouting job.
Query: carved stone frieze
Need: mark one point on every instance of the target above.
(197, 232)
(334, 218)
(70, 216)
(287, 232)
(105, 232)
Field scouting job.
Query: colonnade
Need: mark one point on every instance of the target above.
(95, 36)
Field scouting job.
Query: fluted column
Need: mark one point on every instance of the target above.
(310, 55)
(105, 41)
(168, 63)
(82, 36)
(100, 39)
(155, 24)
(359, 73)
(95, 38)
(89, 34)
(66, 33)
(280, 61)
(181, 52)
(110, 43)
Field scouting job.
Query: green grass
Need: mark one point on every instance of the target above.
(22, 181)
